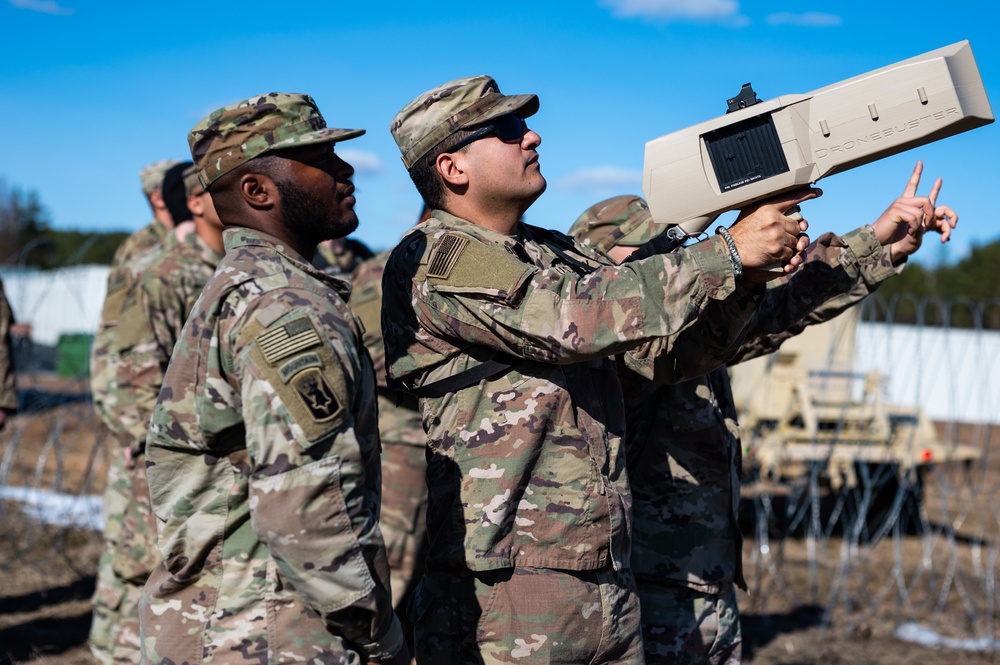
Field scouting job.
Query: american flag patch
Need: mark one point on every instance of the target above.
(283, 341)
(446, 254)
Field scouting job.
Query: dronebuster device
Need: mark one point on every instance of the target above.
(760, 149)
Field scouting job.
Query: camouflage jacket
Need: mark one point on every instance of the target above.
(131, 258)
(341, 257)
(8, 378)
(263, 468)
(148, 237)
(397, 423)
(684, 454)
(149, 324)
(526, 466)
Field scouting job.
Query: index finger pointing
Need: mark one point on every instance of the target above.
(914, 182)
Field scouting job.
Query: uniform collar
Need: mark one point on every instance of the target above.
(235, 237)
(159, 229)
(442, 218)
(208, 255)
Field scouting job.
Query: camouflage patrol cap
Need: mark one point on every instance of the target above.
(152, 174)
(237, 133)
(620, 220)
(438, 113)
(191, 182)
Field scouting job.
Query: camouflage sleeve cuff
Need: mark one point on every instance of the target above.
(898, 267)
(874, 261)
(388, 645)
(713, 259)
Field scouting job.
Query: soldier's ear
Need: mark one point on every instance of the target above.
(156, 200)
(451, 167)
(195, 205)
(259, 191)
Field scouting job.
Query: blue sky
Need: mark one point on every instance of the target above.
(93, 90)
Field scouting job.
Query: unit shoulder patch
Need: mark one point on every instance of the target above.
(302, 368)
(316, 394)
(296, 365)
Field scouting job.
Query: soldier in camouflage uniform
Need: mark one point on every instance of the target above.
(150, 321)
(131, 259)
(175, 197)
(506, 332)
(404, 468)
(149, 239)
(341, 256)
(262, 456)
(8, 378)
(684, 453)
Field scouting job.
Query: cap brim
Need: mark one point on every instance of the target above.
(524, 106)
(642, 233)
(330, 134)
(340, 134)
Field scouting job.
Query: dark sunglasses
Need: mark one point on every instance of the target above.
(508, 128)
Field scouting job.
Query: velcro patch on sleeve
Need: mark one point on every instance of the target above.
(115, 297)
(287, 339)
(316, 394)
(465, 265)
(133, 323)
(310, 384)
(446, 254)
(367, 308)
(296, 365)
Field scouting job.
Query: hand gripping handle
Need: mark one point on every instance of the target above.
(794, 213)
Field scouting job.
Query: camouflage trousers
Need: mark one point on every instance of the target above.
(404, 516)
(128, 558)
(114, 630)
(526, 615)
(682, 626)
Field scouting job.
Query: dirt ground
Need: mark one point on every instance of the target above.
(45, 600)
(45, 617)
(47, 573)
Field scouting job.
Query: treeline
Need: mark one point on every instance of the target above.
(962, 294)
(970, 286)
(27, 238)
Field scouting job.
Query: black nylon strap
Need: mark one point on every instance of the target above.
(456, 382)
(400, 398)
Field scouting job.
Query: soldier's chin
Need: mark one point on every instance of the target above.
(347, 225)
(350, 219)
(539, 190)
